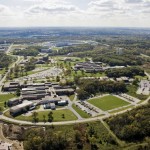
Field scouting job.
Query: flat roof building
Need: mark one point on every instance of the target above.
(18, 108)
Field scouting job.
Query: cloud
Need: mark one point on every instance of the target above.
(133, 1)
(5, 11)
(53, 7)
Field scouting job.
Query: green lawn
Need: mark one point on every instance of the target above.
(57, 115)
(5, 98)
(108, 102)
(115, 111)
(80, 112)
(72, 97)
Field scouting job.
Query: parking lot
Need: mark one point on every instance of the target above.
(89, 109)
(53, 72)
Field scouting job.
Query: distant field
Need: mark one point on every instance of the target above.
(57, 116)
(108, 102)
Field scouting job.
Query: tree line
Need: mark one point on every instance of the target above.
(88, 88)
(30, 51)
(128, 72)
(70, 49)
(133, 125)
(5, 60)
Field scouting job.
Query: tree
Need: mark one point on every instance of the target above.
(63, 115)
(5, 104)
(50, 116)
(34, 116)
(1, 109)
(57, 78)
(18, 92)
(44, 118)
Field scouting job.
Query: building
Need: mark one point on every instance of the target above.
(14, 101)
(35, 91)
(46, 50)
(11, 86)
(67, 91)
(89, 67)
(18, 109)
(62, 103)
(119, 51)
(49, 106)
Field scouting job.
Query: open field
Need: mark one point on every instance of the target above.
(4, 98)
(57, 116)
(108, 102)
(80, 112)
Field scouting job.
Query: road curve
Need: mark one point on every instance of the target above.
(4, 118)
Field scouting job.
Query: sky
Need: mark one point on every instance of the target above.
(85, 13)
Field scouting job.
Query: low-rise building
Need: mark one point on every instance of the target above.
(11, 86)
(68, 91)
(14, 101)
(25, 106)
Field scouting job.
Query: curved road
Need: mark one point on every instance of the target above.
(2, 117)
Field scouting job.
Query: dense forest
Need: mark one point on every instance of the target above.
(30, 51)
(89, 136)
(128, 72)
(88, 88)
(70, 49)
(133, 125)
(5, 60)
(120, 60)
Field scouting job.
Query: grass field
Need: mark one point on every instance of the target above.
(108, 102)
(5, 98)
(115, 111)
(80, 112)
(57, 116)
(72, 97)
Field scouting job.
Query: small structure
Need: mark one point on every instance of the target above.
(144, 87)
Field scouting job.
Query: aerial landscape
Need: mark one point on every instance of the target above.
(75, 75)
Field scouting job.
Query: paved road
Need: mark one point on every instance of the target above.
(12, 66)
(70, 107)
(2, 117)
